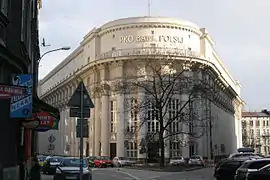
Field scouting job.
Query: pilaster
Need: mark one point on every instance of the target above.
(143, 126)
(120, 147)
(97, 127)
(105, 124)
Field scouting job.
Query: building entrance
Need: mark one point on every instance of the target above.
(112, 150)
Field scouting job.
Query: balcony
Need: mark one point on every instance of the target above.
(150, 51)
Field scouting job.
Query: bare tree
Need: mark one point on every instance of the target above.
(173, 94)
(248, 138)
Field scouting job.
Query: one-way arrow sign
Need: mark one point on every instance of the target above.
(75, 100)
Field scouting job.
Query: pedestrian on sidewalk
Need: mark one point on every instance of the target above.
(35, 173)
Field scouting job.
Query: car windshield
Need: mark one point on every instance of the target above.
(54, 160)
(195, 157)
(74, 162)
(92, 158)
(104, 158)
(231, 164)
(176, 158)
(41, 158)
(255, 164)
(121, 158)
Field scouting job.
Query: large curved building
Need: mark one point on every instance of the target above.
(106, 55)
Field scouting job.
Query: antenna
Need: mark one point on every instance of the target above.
(149, 7)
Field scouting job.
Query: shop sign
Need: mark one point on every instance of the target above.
(21, 106)
(7, 91)
(46, 120)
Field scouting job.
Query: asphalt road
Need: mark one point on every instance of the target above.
(102, 174)
(132, 174)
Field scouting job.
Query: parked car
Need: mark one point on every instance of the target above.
(70, 169)
(121, 161)
(107, 160)
(226, 169)
(176, 161)
(91, 160)
(50, 164)
(103, 161)
(261, 174)
(245, 152)
(196, 160)
(41, 160)
(251, 166)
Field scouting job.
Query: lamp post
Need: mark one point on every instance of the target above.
(65, 48)
(35, 67)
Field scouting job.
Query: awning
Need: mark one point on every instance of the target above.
(40, 106)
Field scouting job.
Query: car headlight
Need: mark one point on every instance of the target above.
(86, 172)
(58, 171)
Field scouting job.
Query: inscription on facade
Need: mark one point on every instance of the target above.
(161, 38)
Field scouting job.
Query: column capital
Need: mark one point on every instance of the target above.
(105, 89)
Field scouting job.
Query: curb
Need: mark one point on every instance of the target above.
(162, 170)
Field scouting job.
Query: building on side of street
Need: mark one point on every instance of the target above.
(19, 52)
(106, 55)
(255, 131)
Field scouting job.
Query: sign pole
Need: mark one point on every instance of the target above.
(80, 104)
(81, 135)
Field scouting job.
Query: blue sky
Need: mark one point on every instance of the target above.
(239, 28)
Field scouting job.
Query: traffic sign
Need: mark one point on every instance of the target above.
(51, 138)
(51, 147)
(75, 100)
(76, 112)
(80, 104)
(21, 106)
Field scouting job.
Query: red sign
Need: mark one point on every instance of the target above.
(46, 120)
(8, 91)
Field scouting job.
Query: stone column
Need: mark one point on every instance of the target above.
(120, 147)
(97, 127)
(105, 124)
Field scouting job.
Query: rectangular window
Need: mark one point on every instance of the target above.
(132, 124)
(257, 123)
(113, 116)
(132, 149)
(251, 123)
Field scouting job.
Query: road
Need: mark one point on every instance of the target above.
(132, 174)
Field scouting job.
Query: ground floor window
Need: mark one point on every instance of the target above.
(175, 149)
(132, 150)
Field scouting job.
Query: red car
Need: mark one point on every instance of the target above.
(103, 161)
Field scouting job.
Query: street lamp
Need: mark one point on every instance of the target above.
(64, 48)
(35, 67)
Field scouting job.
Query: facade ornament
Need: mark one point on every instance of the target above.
(105, 89)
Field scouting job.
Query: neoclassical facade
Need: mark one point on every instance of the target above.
(106, 55)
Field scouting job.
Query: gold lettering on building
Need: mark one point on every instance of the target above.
(161, 38)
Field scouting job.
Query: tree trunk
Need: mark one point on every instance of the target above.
(162, 150)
